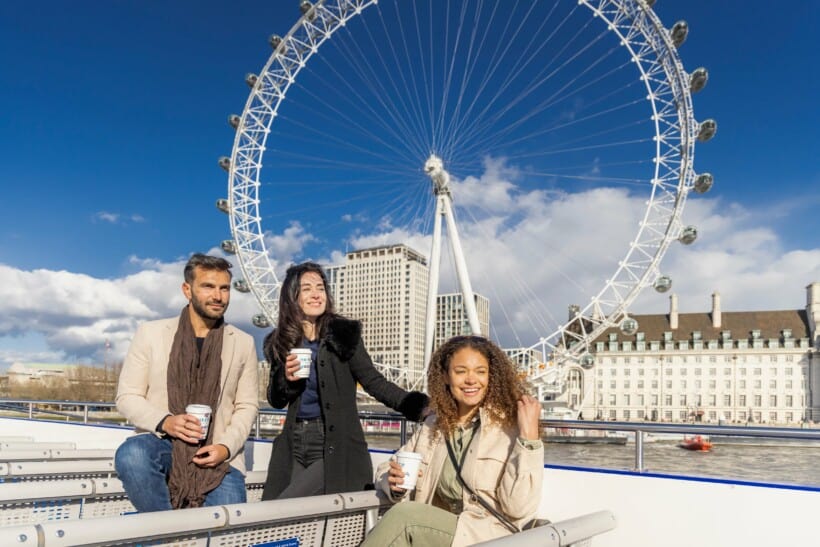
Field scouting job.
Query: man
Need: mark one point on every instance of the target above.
(192, 359)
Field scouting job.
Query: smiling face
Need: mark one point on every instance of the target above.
(468, 376)
(312, 296)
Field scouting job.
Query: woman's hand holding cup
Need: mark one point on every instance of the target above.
(292, 366)
(395, 478)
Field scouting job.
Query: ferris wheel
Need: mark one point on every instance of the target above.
(541, 106)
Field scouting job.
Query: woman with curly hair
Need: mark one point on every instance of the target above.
(322, 449)
(482, 457)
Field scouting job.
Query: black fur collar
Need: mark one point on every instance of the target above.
(342, 337)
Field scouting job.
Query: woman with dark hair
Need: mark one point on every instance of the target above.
(322, 431)
(481, 453)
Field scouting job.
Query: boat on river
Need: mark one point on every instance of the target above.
(581, 436)
(696, 443)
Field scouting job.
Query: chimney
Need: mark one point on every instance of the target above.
(673, 311)
(716, 310)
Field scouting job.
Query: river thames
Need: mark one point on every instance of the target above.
(788, 464)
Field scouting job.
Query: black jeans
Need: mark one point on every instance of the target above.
(307, 477)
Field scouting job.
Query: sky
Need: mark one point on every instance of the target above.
(115, 115)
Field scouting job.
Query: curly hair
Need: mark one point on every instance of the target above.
(504, 388)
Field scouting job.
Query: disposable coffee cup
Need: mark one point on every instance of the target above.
(203, 414)
(305, 356)
(410, 463)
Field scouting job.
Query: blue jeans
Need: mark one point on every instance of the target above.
(143, 464)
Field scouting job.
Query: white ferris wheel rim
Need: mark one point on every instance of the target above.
(650, 48)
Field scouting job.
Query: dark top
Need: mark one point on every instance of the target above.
(310, 407)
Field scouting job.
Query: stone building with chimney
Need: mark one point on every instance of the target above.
(716, 367)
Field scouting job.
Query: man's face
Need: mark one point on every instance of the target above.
(209, 292)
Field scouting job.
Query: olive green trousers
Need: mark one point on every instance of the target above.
(413, 523)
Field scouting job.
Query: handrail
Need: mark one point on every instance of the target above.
(638, 429)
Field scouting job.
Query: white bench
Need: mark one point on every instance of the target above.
(577, 532)
(31, 502)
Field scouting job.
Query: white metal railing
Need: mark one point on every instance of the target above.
(576, 531)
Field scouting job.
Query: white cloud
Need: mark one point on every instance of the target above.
(531, 252)
(117, 218)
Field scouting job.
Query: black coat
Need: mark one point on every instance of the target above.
(342, 361)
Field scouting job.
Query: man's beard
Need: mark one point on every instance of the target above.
(201, 310)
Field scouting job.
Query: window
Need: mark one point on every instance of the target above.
(758, 400)
(712, 400)
(789, 384)
(772, 400)
(789, 370)
(757, 371)
(627, 384)
(682, 400)
(789, 400)
(626, 414)
(682, 415)
(758, 384)
(600, 385)
(772, 384)
(742, 384)
(640, 415)
(667, 400)
(727, 400)
(669, 384)
(683, 384)
(697, 384)
(612, 415)
(612, 384)
(712, 372)
(683, 372)
(667, 415)
(668, 372)
(773, 416)
(655, 400)
(727, 371)
(640, 384)
(613, 371)
(712, 384)
(654, 384)
(741, 400)
(640, 400)
(612, 400)
(698, 371)
(627, 371)
(713, 358)
(626, 400)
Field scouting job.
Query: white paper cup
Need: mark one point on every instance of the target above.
(203, 414)
(304, 355)
(410, 463)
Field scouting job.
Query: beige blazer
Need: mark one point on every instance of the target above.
(497, 467)
(142, 393)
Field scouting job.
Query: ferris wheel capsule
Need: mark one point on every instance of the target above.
(629, 326)
(224, 162)
(260, 320)
(223, 205)
(586, 361)
(228, 246)
(698, 79)
(275, 41)
(307, 9)
(233, 120)
(663, 283)
(688, 235)
(679, 32)
(703, 182)
(251, 79)
(241, 285)
(707, 130)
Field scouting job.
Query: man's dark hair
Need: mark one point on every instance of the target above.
(206, 262)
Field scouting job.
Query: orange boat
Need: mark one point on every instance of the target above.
(697, 443)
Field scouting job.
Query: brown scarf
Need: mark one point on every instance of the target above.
(193, 378)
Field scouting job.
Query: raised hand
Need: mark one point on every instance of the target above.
(529, 413)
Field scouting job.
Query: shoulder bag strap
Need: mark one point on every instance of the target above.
(504, 520)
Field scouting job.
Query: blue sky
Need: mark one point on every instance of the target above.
(114, 117)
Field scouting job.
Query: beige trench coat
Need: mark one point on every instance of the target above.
(497, 467)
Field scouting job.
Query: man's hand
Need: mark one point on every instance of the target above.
(211, 455)
(184, 427)
(529, 413)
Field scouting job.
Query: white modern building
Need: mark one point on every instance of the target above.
(451, 317)
(712, 366)
(386, 289)
(526, 359)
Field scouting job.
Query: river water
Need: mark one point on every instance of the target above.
(789, 464)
